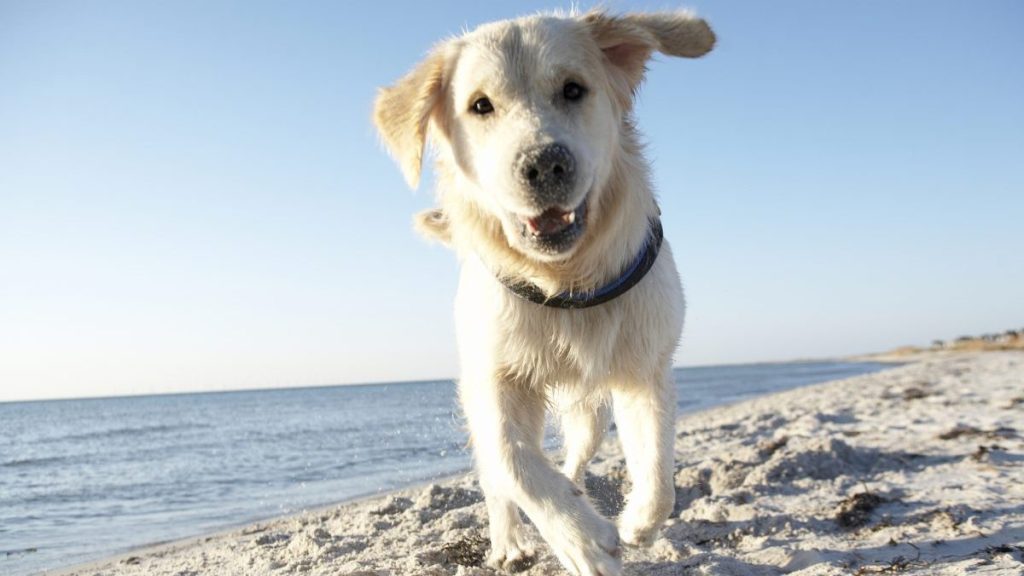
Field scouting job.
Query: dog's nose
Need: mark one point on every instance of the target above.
(548, 170)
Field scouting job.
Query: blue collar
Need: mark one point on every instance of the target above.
(633, 273)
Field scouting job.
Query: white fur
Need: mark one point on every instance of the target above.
(518, 357)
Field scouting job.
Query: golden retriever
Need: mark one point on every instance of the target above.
(564, 298)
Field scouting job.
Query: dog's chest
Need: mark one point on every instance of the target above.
(564, 345)
(504, 335)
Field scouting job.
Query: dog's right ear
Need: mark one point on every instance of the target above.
(402, 112)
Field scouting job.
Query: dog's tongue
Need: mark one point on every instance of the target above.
(551, 221)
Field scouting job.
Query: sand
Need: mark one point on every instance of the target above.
(918, 469)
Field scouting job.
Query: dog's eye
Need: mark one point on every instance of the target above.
(573, 91)
(481, 106)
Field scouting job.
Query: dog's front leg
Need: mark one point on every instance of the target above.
(506, 424)
(509, 545)
(645, 419)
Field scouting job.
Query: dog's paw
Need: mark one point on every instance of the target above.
(590, 551)
(638, 537)
(514, 556)
(645, 512)
(638, 530)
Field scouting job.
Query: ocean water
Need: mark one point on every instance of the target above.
(84, 479)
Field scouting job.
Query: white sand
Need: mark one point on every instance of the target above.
(927, 461)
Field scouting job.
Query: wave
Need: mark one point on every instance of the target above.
(27, 462)
(126, 431)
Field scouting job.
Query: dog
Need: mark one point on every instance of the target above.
(568, 296)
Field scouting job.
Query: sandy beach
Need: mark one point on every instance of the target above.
(918, 469)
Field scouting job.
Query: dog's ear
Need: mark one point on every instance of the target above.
(629, 40)
(433, 225)
(402, 112)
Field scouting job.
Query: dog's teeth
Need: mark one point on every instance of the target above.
(570, 217)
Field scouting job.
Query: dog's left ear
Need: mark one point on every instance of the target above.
(629, 40)
(402, 112)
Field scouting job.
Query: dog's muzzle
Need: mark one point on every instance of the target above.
(548, 172)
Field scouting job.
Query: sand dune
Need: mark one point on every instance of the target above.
(914, 470)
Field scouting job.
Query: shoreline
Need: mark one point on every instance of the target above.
(248, 527)
(747, 475)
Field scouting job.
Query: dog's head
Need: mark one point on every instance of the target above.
(527, 114)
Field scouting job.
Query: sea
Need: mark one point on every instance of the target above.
(84, 479)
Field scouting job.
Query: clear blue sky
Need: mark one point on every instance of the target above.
(192, 195)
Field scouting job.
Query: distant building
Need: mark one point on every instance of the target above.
(1008, 337)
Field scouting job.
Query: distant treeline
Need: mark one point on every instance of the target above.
(1009, 340)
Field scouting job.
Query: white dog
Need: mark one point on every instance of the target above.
(564, 297)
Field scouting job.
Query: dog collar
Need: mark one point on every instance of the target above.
(633, 273)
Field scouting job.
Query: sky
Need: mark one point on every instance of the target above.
(193, 197)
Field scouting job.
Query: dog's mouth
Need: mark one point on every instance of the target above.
(554, 230)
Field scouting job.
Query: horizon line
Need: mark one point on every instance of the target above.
(849, 358)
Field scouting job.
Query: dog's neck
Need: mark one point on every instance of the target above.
(641, 265)
(618, 229)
